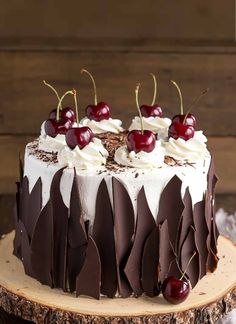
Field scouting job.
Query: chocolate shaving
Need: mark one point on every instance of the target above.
(103, 235)
(170, 208)
(60, 227)
(145, 224)
(77, 237)
(150, 264)
(42, 246)
(124, 230)
(88, 280)
(201, 234)
(188, 249)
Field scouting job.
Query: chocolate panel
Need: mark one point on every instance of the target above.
(103, 235)
(145, 224)
(42, 246)
(191, 268)
(24, 200)
(34, 207)
(201, 234)
(88, 280)
(77, 237)
(170, 208)
(124, 230)
(25, 249)
(60, 227)
(150, 259)
(187, 218)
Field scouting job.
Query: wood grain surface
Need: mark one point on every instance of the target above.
(25, 101)
(181, 19)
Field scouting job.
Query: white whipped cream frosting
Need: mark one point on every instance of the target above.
(154, 124)
(92, 156)
(192, 150)
(141, 160)
(51, 144)
(105, 125)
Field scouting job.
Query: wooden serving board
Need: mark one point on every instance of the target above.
(212, 298)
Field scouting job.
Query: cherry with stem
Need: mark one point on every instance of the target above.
(176, 290)
(140, 140)
(154, 110)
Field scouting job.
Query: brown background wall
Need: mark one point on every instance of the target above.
(120, 42)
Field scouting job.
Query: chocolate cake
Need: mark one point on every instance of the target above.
(101, 219)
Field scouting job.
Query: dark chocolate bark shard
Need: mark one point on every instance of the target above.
(124, 230)
(77, 237)
(187, 218)
(16, 211)
(168, 259)
(60, 229)
(24, 201)
(212, 259)
(170, 208)
(42, 246)
(88, 280)
(25, 249)
(188, 251)
(34, 207)
(150, 257)
(201, 234)
(21, 169)
(145, 224)
(103, 235)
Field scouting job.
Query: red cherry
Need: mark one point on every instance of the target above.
(177, 130)
(175, 290)
(80, 136)
(189, 120)
(64, 113)
(53, 127)
(151, 111)
(98, 112)
(136, 141)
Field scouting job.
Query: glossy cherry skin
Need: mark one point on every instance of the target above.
(177, 130)
(190, 120)
(53, 127)
(151, 111)
(80, 136)
(66, 112)
(136, 141)
(174, 290)
(98, 112)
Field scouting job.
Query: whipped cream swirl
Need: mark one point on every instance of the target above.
(191, 150)
(141, 160)
(154, 124)
(105, 125)
(92, 156)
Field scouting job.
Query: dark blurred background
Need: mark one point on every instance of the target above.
(120, 42)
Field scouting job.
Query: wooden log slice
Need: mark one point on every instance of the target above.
(212, 298)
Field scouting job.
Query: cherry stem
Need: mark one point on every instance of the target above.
(60, 101)
(194, 102)
(94, 85)
(188, 265)
(76, 106)
(155, 88)
(180, 97)
(137, 104)
(54, 90)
